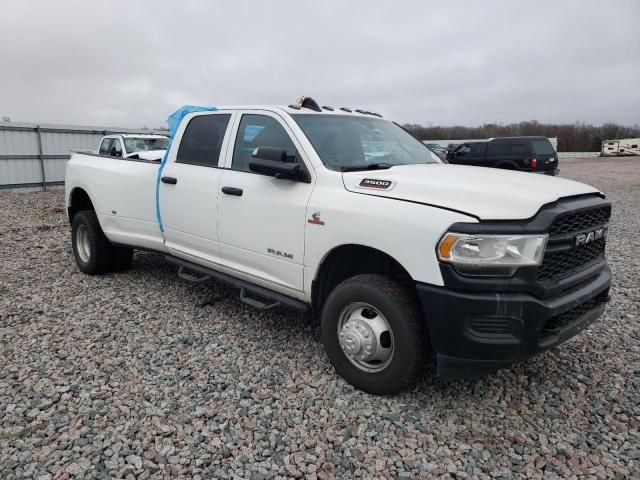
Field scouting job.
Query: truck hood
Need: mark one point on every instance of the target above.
(486, 193)
(148, 155)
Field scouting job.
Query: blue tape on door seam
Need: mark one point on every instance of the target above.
(164, 160)
(173, 122)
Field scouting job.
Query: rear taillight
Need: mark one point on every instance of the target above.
(533, 163)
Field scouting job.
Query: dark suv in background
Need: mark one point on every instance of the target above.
(528, 154)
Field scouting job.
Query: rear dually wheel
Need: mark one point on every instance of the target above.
(92, 251)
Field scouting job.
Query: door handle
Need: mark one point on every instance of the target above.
(169, 180)
(232, 191)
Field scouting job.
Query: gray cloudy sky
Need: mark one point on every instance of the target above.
(131, 63)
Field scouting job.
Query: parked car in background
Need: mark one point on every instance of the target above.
(527, 154)
(144, 147)
(451, 147)
(437, 149)
(434, 146)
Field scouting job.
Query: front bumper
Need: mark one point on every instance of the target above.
(474, 333)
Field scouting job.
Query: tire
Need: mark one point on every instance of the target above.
(91, 249)
(121, 259)
(392, 303)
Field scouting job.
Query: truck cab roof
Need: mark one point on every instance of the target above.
(135, 135)
(338, 111)
(511, 139)
(306, 105)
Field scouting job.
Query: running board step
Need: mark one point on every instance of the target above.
(184, 274)
(244, 298)
(245, 287)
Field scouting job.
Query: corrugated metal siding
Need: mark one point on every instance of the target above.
(19, 139)
(54, 169)
(18, 142)
(55, 143)
(18, 171)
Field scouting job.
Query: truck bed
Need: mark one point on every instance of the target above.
(123, 192)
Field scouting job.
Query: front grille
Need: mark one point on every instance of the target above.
(569, 259)
(585, 220)
(562, 264)
(556, 324)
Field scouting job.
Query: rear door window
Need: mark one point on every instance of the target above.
(518, 149)
(201, 142)
(497, 149)
(543, 147)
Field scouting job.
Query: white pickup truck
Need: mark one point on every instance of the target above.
(406, 258)
(145, 147)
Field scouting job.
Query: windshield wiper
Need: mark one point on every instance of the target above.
(368, 166)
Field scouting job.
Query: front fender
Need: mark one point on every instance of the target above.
(406, 231)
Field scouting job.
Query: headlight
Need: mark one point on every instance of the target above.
(491, 254)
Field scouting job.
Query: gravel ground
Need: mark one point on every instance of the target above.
(131, 376)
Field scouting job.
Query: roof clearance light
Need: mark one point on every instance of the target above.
(308, 102)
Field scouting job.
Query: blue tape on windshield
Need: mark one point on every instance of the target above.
(173, 122)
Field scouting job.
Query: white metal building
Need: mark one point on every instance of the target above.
(33, 156)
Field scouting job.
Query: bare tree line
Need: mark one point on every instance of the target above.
(577, 137)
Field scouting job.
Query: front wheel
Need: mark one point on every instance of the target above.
(374, 334)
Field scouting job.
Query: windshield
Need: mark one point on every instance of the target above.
(345, 142)
(139, 144)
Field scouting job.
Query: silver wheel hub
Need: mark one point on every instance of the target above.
(83, 245)
(358, 340)
(365, 337)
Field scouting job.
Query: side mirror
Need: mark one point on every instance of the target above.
(273, 161)
(270, 153)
